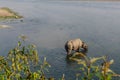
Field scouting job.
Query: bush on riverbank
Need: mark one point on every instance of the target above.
(21, 64)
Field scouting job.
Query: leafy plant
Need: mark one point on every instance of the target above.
(20, 63)
(92, 69)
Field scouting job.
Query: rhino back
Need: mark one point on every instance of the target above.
(77, 43)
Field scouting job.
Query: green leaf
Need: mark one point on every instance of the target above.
(2, 77)
(109, 77)
(19, 43)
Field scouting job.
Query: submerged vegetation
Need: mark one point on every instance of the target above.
(23, 63)
(6, 13)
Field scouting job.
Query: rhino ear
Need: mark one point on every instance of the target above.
(83, 44)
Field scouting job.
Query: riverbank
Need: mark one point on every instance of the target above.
(6, 13)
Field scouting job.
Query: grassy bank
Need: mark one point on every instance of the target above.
(6, 13)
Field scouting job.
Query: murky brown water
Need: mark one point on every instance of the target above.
(49, 24)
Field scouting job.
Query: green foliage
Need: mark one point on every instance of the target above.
(92, 69)
(19, 63)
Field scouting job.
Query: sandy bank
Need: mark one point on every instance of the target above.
(6, 13)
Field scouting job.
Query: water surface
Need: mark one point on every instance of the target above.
(49, 24)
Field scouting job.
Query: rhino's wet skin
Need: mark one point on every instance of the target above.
(75, 45)
(49, 24)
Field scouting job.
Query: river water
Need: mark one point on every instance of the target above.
(49, 24)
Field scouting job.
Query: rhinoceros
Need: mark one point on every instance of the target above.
(75, 45)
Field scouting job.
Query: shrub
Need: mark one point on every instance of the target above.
(20, 64)
(93, 69)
